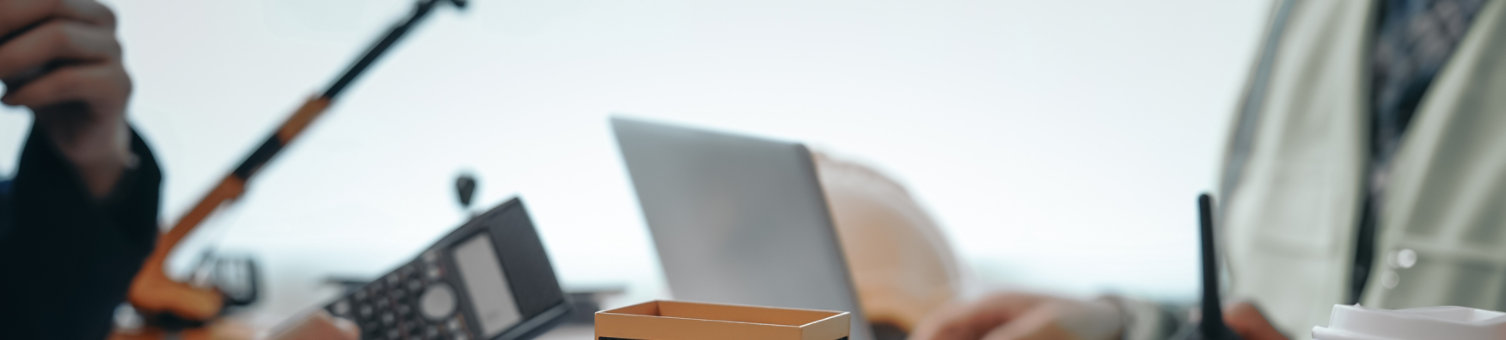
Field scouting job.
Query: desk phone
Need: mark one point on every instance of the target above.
(489, 280)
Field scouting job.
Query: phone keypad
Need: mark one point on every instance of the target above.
(392, 306)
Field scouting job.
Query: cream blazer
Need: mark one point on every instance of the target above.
(1294, 167)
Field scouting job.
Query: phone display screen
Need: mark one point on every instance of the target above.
(490, 296)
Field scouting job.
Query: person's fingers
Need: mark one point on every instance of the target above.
(1246, 320)
(53, 42)
(103, 87)
(943, 324)
(1033, 332)
(994, 310)
(959, 322)
(1010, 331)
(17, 15)
(1040, 323)
(971, 321)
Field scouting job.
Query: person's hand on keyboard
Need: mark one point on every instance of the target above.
(1023, 316)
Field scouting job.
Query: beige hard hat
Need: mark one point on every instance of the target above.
(902, 264)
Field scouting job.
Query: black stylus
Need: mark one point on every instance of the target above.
(1212, 326)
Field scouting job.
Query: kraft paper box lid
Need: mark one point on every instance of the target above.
(673, 320)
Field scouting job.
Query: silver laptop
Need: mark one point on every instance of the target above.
(737, 219)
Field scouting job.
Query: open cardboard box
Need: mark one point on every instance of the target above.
(673, 320)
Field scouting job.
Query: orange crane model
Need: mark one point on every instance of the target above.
(152, 291)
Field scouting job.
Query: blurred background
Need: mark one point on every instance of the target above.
(1038, 133)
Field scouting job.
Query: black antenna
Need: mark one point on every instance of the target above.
(1212, 326)
(465, 189)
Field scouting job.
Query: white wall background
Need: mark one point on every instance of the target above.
(1060, 143)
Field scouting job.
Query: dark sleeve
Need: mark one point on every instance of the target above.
(5, 208)
(66, 258)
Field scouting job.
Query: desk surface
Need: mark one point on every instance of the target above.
(569, 332)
